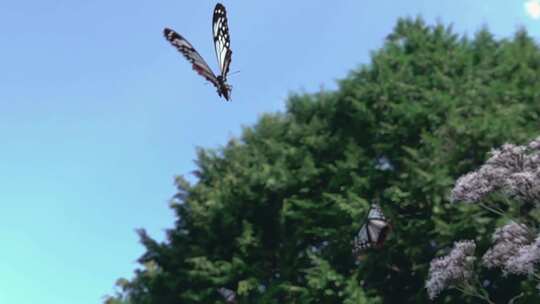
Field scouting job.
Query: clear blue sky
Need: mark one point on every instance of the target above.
(98, 113)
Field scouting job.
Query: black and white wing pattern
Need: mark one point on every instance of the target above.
(222, 40)
(184, 47)
(221, 44)
(374, 231)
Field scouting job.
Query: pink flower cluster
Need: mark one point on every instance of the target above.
(453, 269)
(513, 169)
(508, 241)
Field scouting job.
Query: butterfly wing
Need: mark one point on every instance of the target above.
(375, 213)
(373, 232)
(378, 225)
(222, 41)
(184, 47)
(361, 240)
(377, 231)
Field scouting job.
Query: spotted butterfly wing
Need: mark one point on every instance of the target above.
(221, 43)
(222, 40)
(184, 47)
(374, 231)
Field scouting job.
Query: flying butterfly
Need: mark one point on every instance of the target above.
(374, 231)
(222, 45)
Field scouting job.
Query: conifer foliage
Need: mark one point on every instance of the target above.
(273, 213)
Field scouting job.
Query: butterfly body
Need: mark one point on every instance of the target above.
(222, 43)
(223, 88)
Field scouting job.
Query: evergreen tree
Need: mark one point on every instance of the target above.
(273, 213)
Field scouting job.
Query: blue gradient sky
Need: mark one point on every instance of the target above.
(98, 114)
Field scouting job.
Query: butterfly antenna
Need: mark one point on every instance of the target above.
(235, 72)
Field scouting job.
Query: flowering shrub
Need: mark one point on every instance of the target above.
(453, 269)
(514, 172)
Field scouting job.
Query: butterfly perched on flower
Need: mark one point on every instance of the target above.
(373, 232)
(222, 45)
